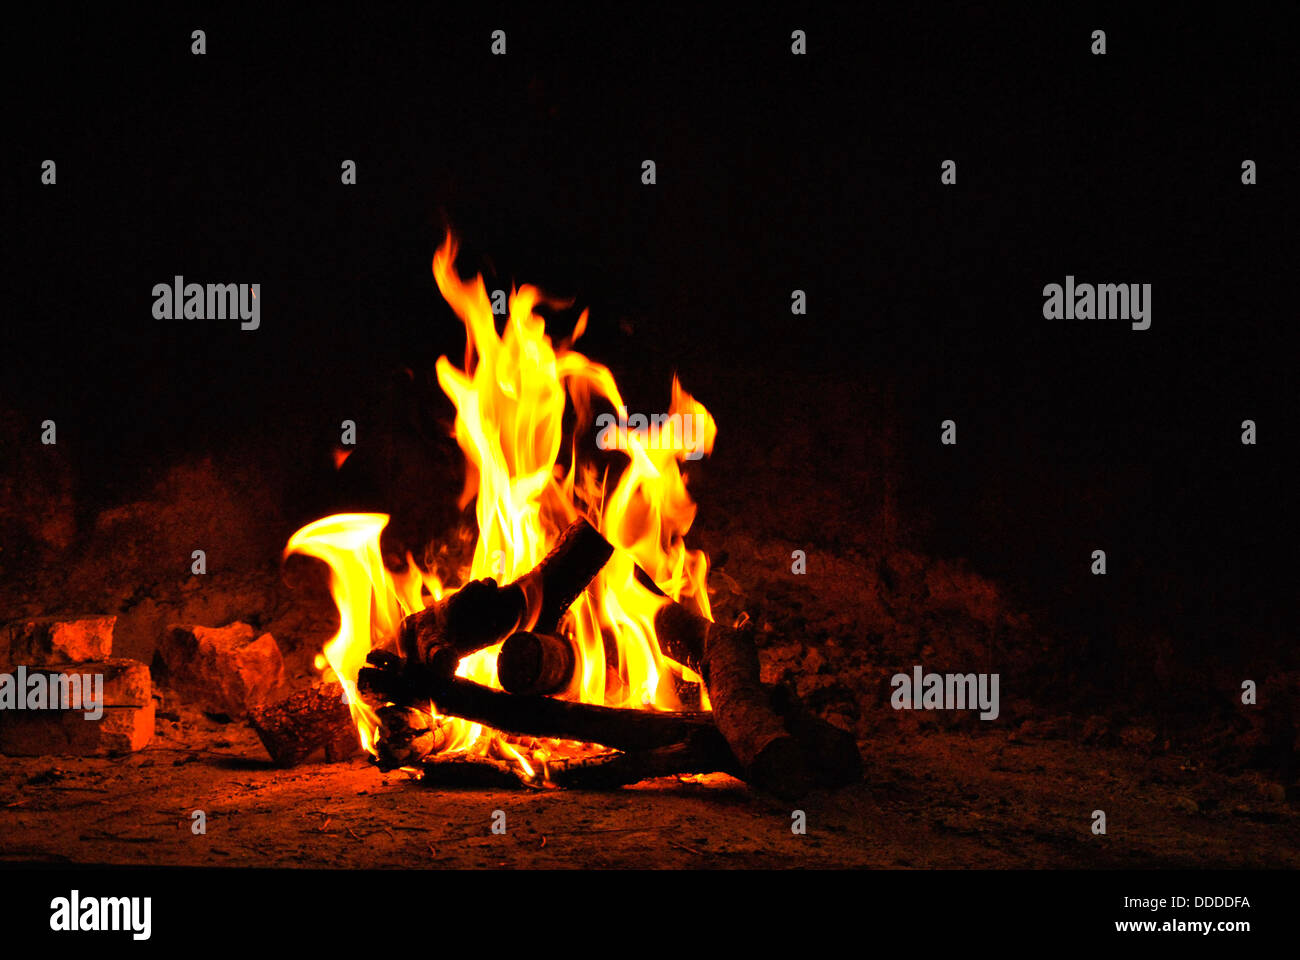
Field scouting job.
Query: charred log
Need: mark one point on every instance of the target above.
(573, 562)
(534, 716)
(696, 755)
(480, 773)
(406, 736)
(483, 613)
(602, 771)
(787, 751)
(832, 752)
(559, 719)
(536, 663)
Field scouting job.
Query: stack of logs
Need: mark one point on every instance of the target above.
(761, 734)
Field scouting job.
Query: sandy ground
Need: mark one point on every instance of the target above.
(939, 800)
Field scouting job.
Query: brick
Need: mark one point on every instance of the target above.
(40, 733)
(127, 683)
(222, 669)
(67, 639)
(127, 723)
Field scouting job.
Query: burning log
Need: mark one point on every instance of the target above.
(565, 572)
(482, 613)
(653, 743)
(787, 751)
(534, 716)
(298, 726)
(696, 755)
(406, 736)
(462, 771)
(604, 771)
(536, 663)
(559, 719)
(682, 635)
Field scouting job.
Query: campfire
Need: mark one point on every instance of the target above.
(578, 648)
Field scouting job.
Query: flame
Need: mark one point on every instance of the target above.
(527, 485)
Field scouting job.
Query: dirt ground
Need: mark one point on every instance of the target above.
(942, 800)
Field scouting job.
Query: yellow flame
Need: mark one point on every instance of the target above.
(510, 398)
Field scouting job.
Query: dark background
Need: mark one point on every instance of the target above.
(775, 172)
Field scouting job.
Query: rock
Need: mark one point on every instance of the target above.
(213, 503)
(1275, 792)
(903, 576)
(842, 720)
(1050, 728)
(222, 669)
(1186, 805)
(37, 503)
(1096, 729)
(37, 641)
(1138, 737)
(126, 723)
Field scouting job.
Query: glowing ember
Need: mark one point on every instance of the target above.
(527, 486)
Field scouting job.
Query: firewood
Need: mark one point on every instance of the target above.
(695, 755)
(536, 663)
(788, 754)
(561, 720)
(769, 756)
(682, 634)
(564, 573)
(534, 716)
(467, 772)
(832, 752)
(482, 613)
(406, 736)
(600, 771)
(296, 727)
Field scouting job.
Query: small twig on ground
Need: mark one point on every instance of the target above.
(682, 846)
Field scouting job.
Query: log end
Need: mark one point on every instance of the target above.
(536, 663)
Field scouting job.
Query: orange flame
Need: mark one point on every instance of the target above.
(510, 398)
